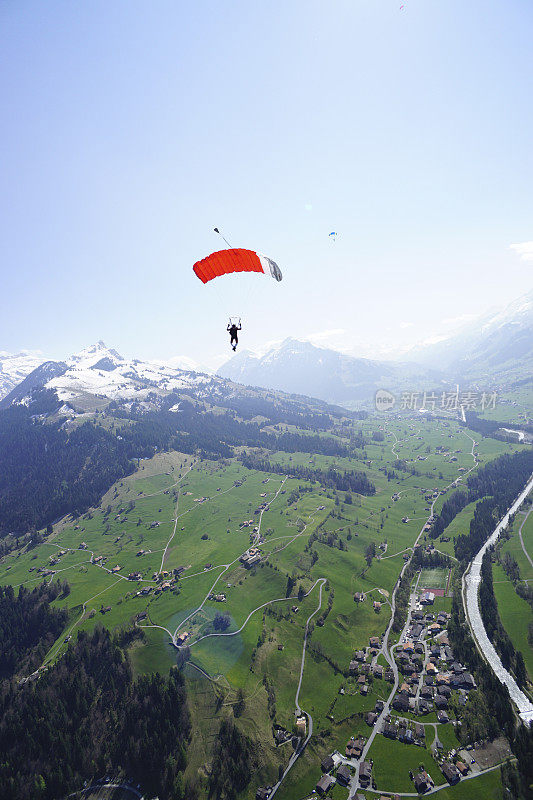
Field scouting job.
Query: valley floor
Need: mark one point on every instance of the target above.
(255, 573)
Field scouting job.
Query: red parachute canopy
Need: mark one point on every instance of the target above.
(235, 260)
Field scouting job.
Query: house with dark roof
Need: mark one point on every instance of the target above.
(468, 681)
(423, 782)
(343, 775)
(450, 772)
(327, 764)
(365, 773)
(389, 730)
(324, 784)
(354, 748)
(401, 702)
(423, 707)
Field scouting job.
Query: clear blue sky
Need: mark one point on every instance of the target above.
(129, 129)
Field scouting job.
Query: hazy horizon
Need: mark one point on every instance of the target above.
(381, 353)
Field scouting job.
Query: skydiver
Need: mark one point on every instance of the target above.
(234, 339)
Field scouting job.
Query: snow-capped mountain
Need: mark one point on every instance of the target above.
(499, 340)
(14, 367)
(102, 372)
(302, 368)
(99, 370)
(495, 349)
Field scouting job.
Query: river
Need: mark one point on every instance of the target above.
(473, 579)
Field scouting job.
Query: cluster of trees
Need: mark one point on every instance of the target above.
(500, 481)
(510, 566)
(233, 763)
(45, 472)
(450, 508)
(277, 409)
(489, 427)
(28, 627)
(345, 481)
(430, 560)
(329, 538)
(214, 435)
(499, 716)
(86, 717)
(221, 621)
(370, 553)
(512, 659)
(322, 618)
(489, 711)
(402, 599)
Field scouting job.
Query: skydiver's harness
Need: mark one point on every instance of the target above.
(232, 328)
(233, 324)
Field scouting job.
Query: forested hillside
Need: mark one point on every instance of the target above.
(28, 626)
(87, 716)
(48, 470)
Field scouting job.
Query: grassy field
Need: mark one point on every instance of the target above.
(433, 579)
(515, 614)
(514, 547)
(393, 760)
(178, 513)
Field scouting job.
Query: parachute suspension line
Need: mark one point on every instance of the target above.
(216, 230)
(218, 289)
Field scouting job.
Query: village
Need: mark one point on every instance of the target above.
(424, 679)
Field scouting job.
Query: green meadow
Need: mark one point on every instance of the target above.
(184, 514)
